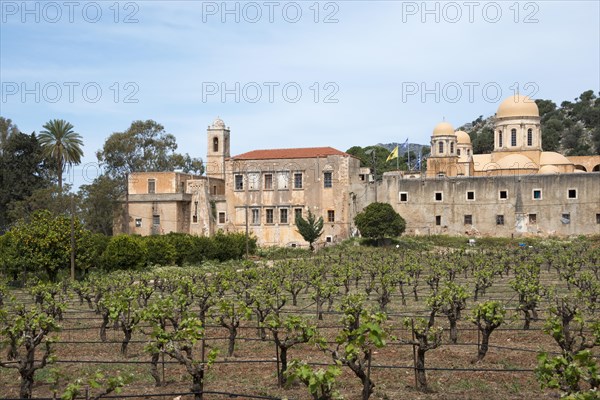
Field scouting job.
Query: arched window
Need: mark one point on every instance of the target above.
(513, 137)
(458, 152)
(529, 137)
(499, 138)
(451, 147)
(215, 144)
(440, 147)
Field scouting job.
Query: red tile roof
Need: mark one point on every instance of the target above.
(307, 152)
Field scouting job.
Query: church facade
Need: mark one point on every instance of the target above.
(518, 189)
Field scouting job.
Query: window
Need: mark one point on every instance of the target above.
(221, 217)
(283, 180)
(297, 213)
(565, 218)
(533, 218)
(327, 180)
(403, 197)
(298, 180)
(138, 222)
(268, 181)
(256, 216)
(537, 194)
(156, 220)
(151, 186)
(269, 215)
(458, 152)
(330, 216)
(470, 195)
(215, 144)
(438, 196)
(529, 137)
(503, 195)
(499, 219)
(598, 218)
(440, 147)
(253, 180)
(239, 182)
(572, 194)
(438, 220)
(468, 152)
(499, 138)
(328, 239)
(468, 220)
(513, 137)
(451, 147)
(283, 216)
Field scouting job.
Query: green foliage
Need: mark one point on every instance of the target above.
(310, 228)
(124, 252)
(107, 384)
(379, 220)
(97, 206)
(569, 373)
(144, 146)
(159, 250)
(61, 146)
(320, 383)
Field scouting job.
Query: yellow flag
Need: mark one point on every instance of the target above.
(393, 154)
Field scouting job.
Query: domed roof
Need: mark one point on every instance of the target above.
(552, 158)
(463, 137)
(516, 161)
(443, 129)
(517, 106)
(549, 169)
(219, 124)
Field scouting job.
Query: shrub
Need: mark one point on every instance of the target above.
(124, 252)
(378, 221)
(160, 251)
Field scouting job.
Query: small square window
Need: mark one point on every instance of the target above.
(572, 194)
(269, 215)
(195, 219)
(537, 194)
(328, 239)
(438, 220)
(283, 215)
(330, 216)
(598, 218)
(470, 195)
(499, 219)
(503, 195)
(468, 220)
(156, 220)
(298, 180)
(533, 218)
(151, 186)
(565, 218)
(255, 216)
(138, 222)
(327, 180)
(221, 217)
(239, 182)
(438, 196)
(268, 181)
(403, 197)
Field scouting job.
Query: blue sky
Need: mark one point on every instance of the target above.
(368, 71)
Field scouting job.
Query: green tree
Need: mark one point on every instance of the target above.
(97, 204)
(482, 140)
(61, 145)
(144, 146)
(7, 129)
(124, 252)
(378, 221)
(23, 172)
(310, 228)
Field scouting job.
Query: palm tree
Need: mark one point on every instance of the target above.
(61, 145)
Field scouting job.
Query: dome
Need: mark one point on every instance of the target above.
(552, 158)
(443, 129)
(517, 106)
(219, 124)
(549, 169)
(463, 137)
(516, 161)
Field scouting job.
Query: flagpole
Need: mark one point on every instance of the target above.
(408, 152)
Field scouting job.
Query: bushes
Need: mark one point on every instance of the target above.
(124, 252)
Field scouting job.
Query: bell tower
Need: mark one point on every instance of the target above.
(217, 149)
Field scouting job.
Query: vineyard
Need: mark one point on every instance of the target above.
(347, 322)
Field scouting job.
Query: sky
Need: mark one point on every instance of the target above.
(286, 74)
